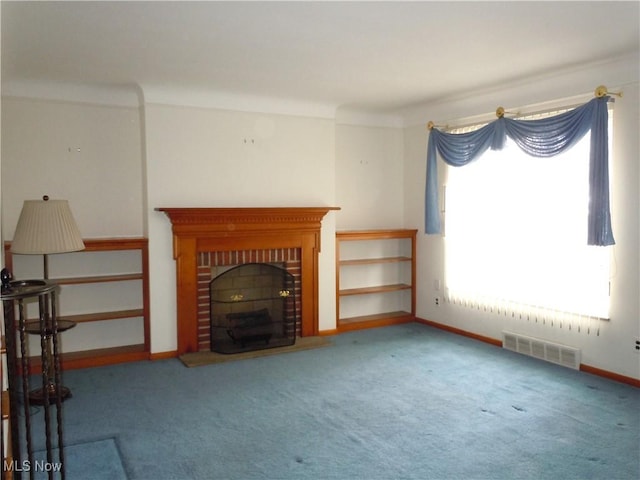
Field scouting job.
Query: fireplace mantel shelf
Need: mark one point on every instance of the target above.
(197, 230)
(245, 215)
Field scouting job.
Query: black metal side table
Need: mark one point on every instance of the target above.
(14, 296)
(49, 336)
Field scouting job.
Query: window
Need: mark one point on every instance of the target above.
(515, 234)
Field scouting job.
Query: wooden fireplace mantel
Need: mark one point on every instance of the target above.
(198, 230)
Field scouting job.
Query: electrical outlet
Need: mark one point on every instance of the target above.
(636, 345)
(437, 301)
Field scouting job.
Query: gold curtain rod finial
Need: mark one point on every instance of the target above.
(431, 125)
(500, 112)
(602, 90)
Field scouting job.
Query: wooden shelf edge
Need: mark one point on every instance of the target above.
(122, 277)
(115, 243)
(97, 317)
(95, 358)
(107, 243)
(381, 234)
(370, 261)
(377, 289)
(374, 321)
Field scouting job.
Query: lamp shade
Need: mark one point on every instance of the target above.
(46, 226)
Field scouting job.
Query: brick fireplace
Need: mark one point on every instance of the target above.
(200, 233)
(212, 264)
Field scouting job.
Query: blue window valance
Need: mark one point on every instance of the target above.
(540, 138)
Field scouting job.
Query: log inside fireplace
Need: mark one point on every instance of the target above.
(253, 307)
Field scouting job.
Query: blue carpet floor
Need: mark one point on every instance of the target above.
(98, 460)
(402, 402)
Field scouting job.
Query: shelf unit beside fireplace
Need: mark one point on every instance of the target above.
(127, 271)
(375, 273)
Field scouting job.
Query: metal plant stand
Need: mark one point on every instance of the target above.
(14, 296)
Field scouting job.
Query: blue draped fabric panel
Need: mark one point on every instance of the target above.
(540, 138)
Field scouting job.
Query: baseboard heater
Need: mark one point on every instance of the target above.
(542, 349)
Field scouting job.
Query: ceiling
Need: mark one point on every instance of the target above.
(373, 56)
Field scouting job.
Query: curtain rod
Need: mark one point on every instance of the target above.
(599, 92)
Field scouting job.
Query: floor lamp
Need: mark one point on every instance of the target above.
(47, 227)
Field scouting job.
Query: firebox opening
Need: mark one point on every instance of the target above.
(253, 307)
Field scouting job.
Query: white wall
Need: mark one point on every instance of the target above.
(611, 349)
(87, 154)
(369, 177)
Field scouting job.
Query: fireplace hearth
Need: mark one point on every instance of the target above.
(253, 307)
